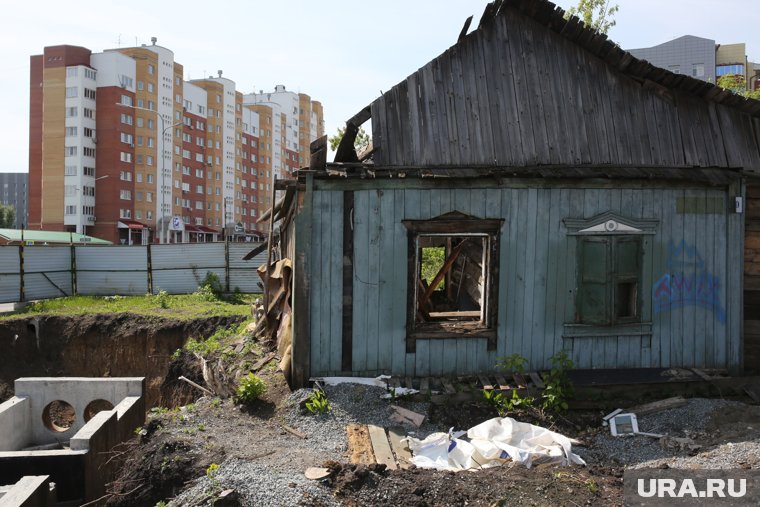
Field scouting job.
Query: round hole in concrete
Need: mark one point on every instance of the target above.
(96, 406)
(58, 416)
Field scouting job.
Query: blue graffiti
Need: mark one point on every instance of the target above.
(687, 283)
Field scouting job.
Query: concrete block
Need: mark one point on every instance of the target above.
(15, 424)
(77, 392)
(30, 491)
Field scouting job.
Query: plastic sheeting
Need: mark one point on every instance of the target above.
(493, 443)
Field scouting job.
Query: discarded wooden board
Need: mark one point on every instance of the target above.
(402, 415)
(316, 473)
(381, 447)
(486, 383)
(502, 382)
(536, 378)
(659, 406)
(293, 431)
(359, 445)
(520, 380)
(261, 362)
(400, 447)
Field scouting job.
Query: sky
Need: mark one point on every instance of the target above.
(342, 53)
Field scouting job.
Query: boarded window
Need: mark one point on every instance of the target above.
(453, 271)
(609, 276)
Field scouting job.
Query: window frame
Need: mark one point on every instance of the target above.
(454, 224)
(612, 228)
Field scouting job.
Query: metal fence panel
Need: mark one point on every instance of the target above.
(108, 270)
(47, 272)
(10, 281)
(180, 268)
(243, 274)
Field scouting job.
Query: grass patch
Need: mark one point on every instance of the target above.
(182, 307)
(218, 342)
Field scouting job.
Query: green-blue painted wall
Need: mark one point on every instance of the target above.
(537, 277)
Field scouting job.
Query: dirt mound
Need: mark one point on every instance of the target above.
(359, 485)
(98, 345)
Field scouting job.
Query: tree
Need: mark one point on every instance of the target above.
(7, 216)
(362, 139)
(595, 13)
(737, 84)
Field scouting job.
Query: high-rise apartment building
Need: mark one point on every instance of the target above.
(13, 192)
(121, 147)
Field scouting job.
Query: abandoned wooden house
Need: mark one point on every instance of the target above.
(575, 199)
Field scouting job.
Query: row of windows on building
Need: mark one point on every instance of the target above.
(74, 72)
(73, 92)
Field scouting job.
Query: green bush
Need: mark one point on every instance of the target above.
(558, 387)
(162, 299)
(250, 389)
(210, 288)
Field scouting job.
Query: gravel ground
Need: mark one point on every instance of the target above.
(278, 483)
(259, 485)
(699, 447)
(349, 403)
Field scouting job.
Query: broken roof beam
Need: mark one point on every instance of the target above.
(318, 152)
(346, 151)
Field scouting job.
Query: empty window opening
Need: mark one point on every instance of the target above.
(451, 278)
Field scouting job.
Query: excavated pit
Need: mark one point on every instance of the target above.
(106, 345)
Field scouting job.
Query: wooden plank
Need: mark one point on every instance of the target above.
(399, 285)
(361, 273)
(359, 445)
(400, 447)
(347, 337)
(371, 285)
(422, 357)
(402, 415)
(519, 380)
(334, 296)
(425, 386)
(501, 381)
(536, 379)
(386, 278)
(462, 314)
(447, 386)
(658, 406)
(301, 296)
(485, 382)
(381, 447)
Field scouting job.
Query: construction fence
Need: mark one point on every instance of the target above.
(48, 271)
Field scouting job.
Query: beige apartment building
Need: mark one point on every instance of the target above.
(123, 148)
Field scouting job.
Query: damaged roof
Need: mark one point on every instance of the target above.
(531, 93)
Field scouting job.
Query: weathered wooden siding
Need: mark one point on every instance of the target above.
(537, 278)
(515, 94)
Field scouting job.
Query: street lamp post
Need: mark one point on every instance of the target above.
(164, 128)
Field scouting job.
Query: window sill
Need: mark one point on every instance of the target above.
(450, 330)
(572, 330)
